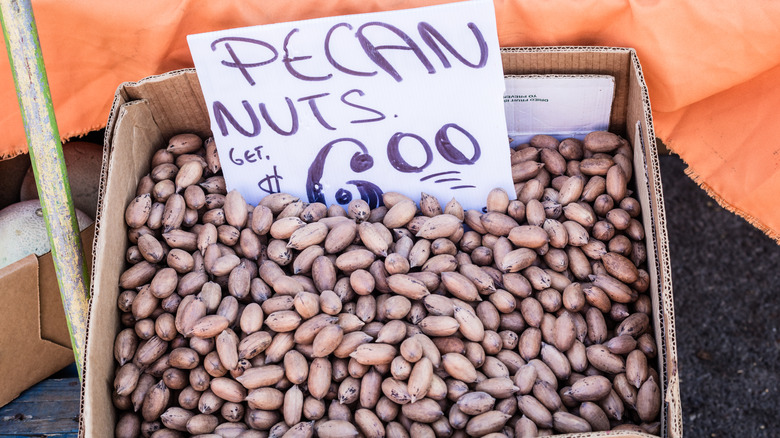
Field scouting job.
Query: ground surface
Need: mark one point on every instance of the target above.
(726, 278)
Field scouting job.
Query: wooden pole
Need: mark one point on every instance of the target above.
(48, 164)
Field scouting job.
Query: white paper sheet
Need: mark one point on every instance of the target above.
(561, 106)
(339, 108)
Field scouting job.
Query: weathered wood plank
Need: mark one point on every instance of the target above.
(50, 408)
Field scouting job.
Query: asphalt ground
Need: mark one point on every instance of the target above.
(726, 279)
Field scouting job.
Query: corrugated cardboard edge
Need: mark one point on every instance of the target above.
(608, 433)
(559, 76)
(663, 264)
(131, 91)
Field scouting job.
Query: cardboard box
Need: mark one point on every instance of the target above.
(145, 114)
(34, 338)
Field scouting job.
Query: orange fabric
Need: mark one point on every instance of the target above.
(712, 68)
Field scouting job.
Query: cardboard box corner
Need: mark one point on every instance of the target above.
(32, 323)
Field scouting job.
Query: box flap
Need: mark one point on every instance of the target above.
(33, 358)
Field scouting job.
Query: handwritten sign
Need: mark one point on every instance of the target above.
(339, 108)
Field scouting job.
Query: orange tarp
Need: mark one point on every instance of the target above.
(712, 68)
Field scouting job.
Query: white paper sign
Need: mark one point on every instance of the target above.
(339, 108)
(561, 106)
